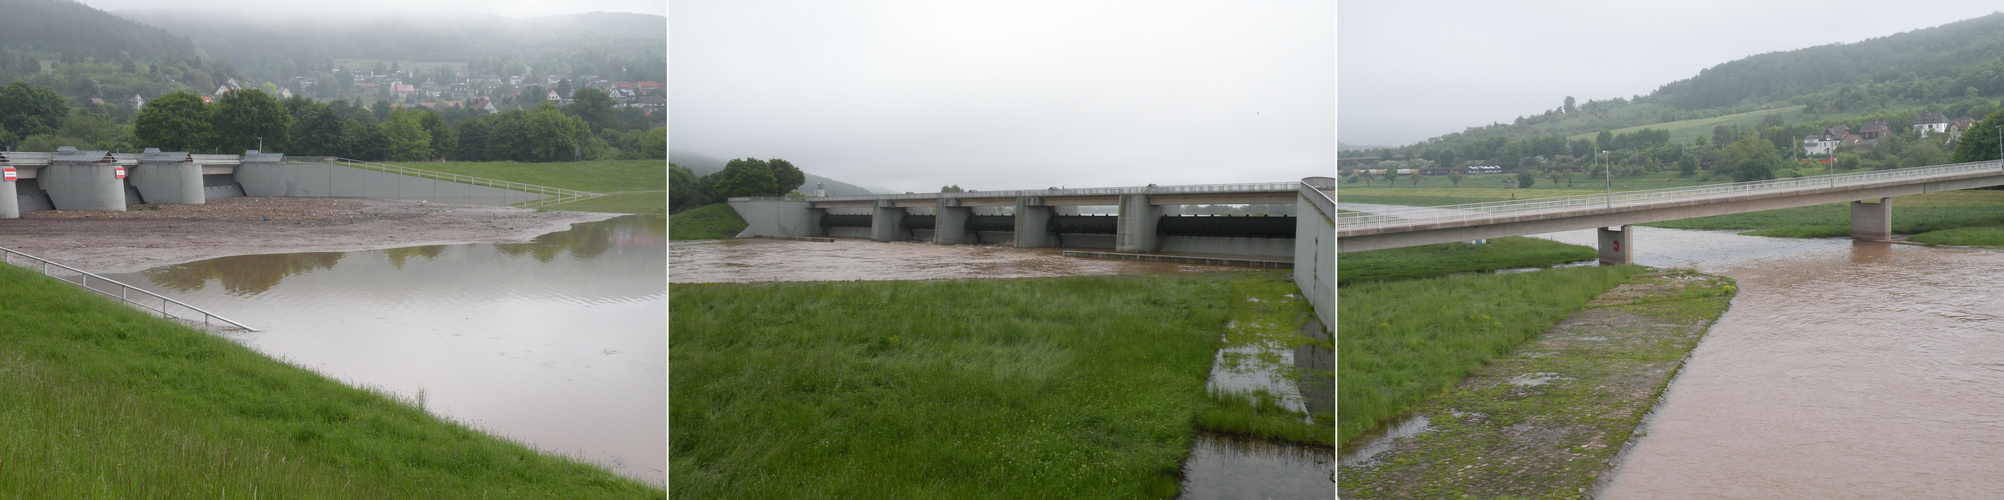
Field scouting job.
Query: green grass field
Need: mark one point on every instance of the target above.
(1403, 341)
(1450, 258)
(1689, 130)
(709, 222)
(621, 203)
(98, 400)
(1075, 387)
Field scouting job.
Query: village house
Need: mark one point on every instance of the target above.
(1931, 123)
(1827, 142)
(1959, 125)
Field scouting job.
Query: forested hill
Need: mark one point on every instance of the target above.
(77, 30)
(1944, 52)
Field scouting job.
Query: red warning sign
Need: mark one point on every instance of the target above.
(7, 173)
(119, 170)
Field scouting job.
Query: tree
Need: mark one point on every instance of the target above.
(682, 184)
(1687, 165)
(952, 189)
(172, 122)
(1749, 159)
(785, 176)
(744, 177)
(1605, 141)
(594, 107)
(655, 143)
(407, 138)
(28, 110)
(1569, 105)
(1979, 143)
(472, 135)
(316, 131)
(241, 117)
(1452, 177)
(1525, 179)
(443, 140)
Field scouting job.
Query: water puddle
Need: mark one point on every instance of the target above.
(1273, 352)
(557, 342)
(1382, 440)
(1536, 379)
(1225, 467)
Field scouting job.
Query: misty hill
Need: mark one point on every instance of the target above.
(621, 46)
(1953, 68)
(706, 165)
(49, 27)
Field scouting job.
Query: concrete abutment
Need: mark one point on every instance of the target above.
(1872, 221)
(1617, 247)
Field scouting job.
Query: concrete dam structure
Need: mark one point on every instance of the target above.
(71, 179)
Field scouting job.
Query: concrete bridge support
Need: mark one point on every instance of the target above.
(1137, 224)
(1033, 223)
(1872, 221)
(10, 201)
(83, 186)
(169, 182)
(884, 223)
(1617, 247)
(949, 223)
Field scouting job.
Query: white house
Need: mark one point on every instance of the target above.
(1931, 123)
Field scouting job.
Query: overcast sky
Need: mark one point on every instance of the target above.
(1009, 95)
(1414, 69)
(406, 8)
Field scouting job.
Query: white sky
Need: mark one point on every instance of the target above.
(913, 95)
(406, 8)
(1414, 69)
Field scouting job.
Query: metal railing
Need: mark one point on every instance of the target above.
(1538, 206)
(124, 291)
(1262, 187)
(555, 195)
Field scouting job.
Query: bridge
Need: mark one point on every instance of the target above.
(1148, 219)
(1869, 192)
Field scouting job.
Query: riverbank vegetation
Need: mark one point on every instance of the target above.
(1090, 386)
(1267, 321)
(630, 186)
(1451, 258)
(713, 222)
(98, 400)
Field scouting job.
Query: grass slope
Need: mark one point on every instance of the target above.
(1404, 341)
(98, 400)
(709, 222)
(606, 176)
(1072, 387)
(1450, 258)
(1689, 130)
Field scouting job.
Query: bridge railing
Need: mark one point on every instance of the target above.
(555, 195)
(126, 293)
(1261, 187)
(1475, 211)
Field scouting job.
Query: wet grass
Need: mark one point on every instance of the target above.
(607, 176)
(1081, 387)
(620, 203)
(1403, 341)
(1824, 221)
(710, 222)
(98, 400)
(1450, 258)
(1266, 314)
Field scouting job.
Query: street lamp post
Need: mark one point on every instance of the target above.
(1607, 171)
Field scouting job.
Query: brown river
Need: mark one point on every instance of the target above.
(1843, 370)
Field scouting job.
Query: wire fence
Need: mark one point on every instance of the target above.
(1537, 206)
(554, 196)
(128, 294)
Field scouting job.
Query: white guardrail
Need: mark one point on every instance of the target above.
(1263, 187)
(124, 294)
(1535, 206)
(556, 195)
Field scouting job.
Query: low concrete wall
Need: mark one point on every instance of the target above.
(778, 218)
(10, 204)
(1228, 245)
(336, 181)
(1315, 249)
(83, 186)
(219, 186)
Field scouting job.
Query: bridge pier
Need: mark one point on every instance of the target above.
(83, 180)
(168, 178)
(1138, 222)
(1033, 223)
(1872, 221)
(1617, 247)
(10, 201)
(949, 222)
(884, 223)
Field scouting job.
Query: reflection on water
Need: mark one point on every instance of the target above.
(761, 260)
(1843, 370)
(1224, 467)
(559, 342)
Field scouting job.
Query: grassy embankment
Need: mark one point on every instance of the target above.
(98, 400)
(709, 222)
(1263, 314)
(1018, 388)
(1689, 130)
(630, 186)
(1409, 330)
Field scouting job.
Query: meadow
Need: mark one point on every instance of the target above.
(632, 186)
(709, 222)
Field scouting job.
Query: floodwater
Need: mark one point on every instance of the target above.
(761, 260)
(559, 343)
(1227, 467)
(1843, 370)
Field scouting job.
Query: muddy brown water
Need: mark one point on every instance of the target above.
(558, 343)
(762, 260)
(1843, 370)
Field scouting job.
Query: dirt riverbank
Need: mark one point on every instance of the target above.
(145, 236)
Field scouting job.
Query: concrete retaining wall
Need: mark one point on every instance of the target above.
(1315, 251)
(1228, 245)
(29, 196)
(779, 218)
(166, 183)
(10, 204)
(336, 181)
(83, 186)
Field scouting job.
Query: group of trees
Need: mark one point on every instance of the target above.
(740, 177)
(36, 119)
